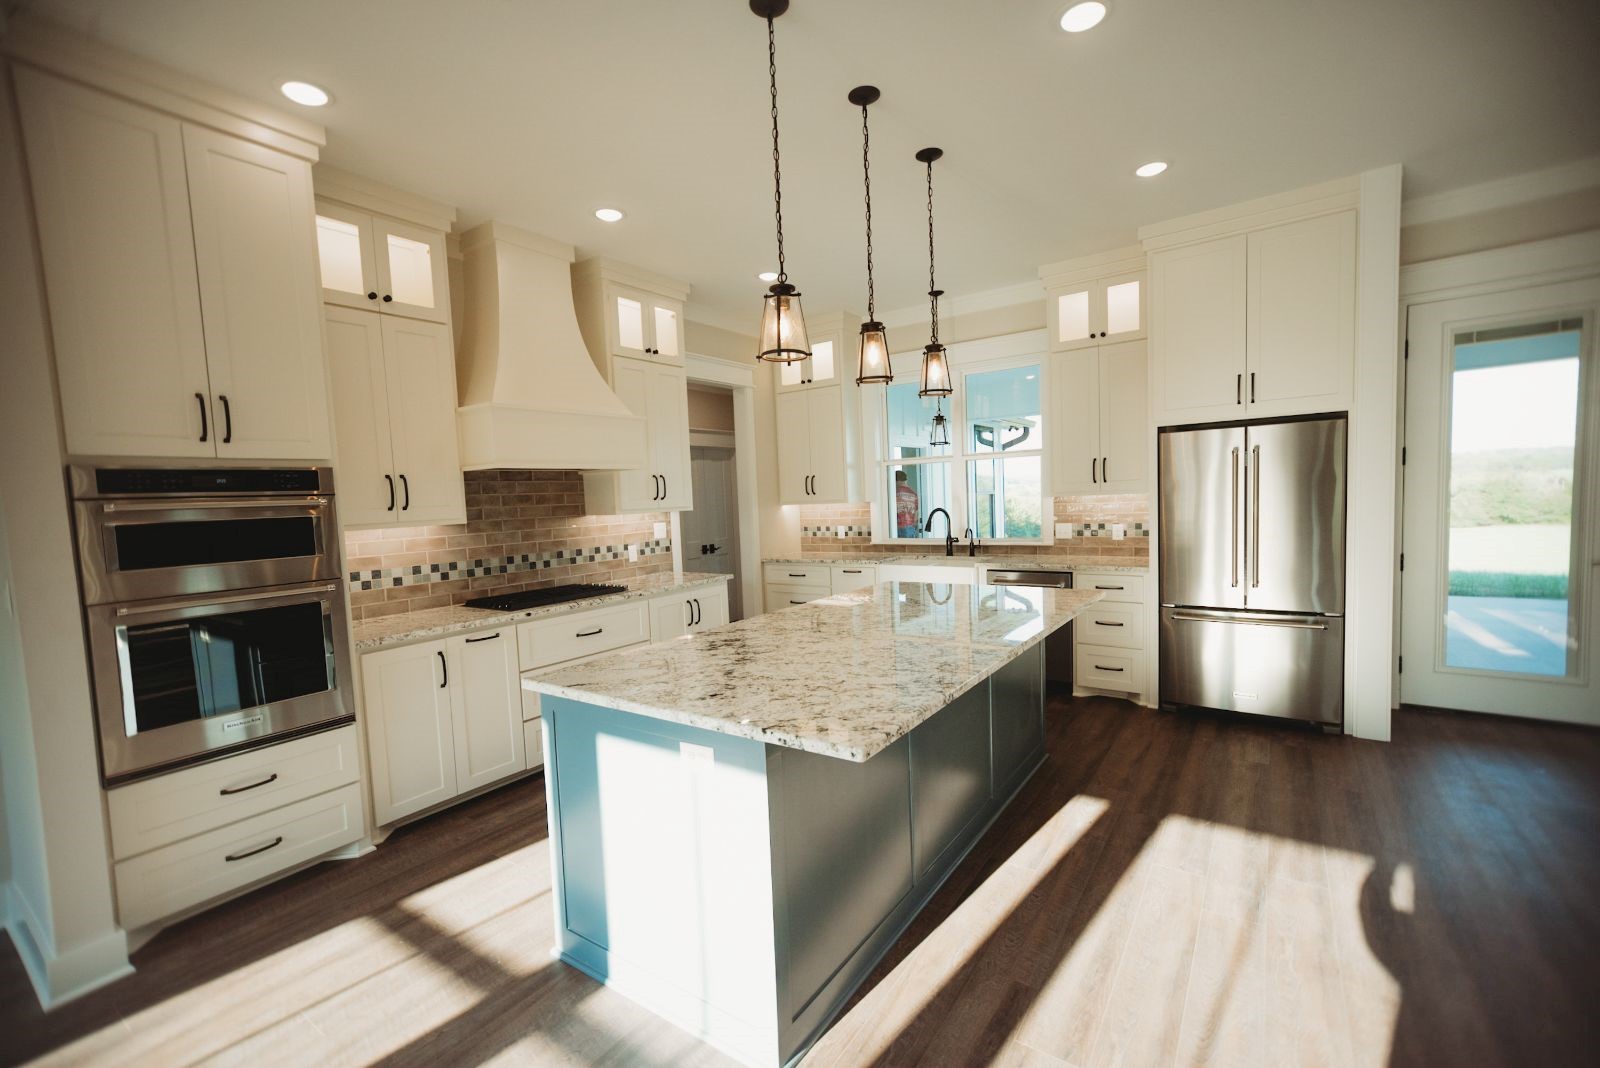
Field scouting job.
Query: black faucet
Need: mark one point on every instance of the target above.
(972, 542)
(949, 539)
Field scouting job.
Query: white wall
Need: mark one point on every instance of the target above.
(61, 878)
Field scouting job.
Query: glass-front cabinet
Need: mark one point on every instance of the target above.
(643, 326)
(1094, 301)
(372, 261)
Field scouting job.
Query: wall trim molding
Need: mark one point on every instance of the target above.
(58, 978)
(1556, 259)
(1503, 192)
(741, 378)
(1322, 199)
(369, 194)
(712, 371)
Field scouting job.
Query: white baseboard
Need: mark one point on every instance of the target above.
(58, 978)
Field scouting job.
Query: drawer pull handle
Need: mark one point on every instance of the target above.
(485, 638)
(1110, 587)
(231, 857)
(852, 571)
(226, 790)
(589, 633)
(1102, 667)
(797, 602)
(1107, 623)
(793, 575)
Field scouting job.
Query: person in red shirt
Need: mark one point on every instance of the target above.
(907, 507)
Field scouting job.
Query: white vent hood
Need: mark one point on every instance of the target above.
(531, 397)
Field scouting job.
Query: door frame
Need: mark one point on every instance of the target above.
(741, 380)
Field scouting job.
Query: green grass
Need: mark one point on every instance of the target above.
(1507, 584)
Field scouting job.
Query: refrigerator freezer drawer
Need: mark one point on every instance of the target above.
(1287, 666)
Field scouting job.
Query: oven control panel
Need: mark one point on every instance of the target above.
(208, 481)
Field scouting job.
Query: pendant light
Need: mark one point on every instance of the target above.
(783, 327)
(872, 366)
(935, 364)
(941, 426)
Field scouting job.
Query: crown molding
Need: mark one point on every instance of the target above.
(1503, 192)
(1096, 265)
(334, 183)
(1010, 296)
(1323, 199)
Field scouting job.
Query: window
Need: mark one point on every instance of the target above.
(991, 478)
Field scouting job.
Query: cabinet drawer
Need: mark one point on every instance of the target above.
(154, 812)
(799, 575)
(1116, 587)
(533, 742)
(186, 873)
(852, 577)
(551, 641)
(1107, 668)
(781, 596)
(1111, 623)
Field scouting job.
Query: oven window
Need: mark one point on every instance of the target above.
(192, 669)
(141, 546)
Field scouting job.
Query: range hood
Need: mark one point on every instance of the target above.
(531, 397)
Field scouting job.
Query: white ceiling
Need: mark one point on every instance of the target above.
(538, 111)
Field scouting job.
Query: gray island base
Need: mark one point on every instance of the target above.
(740, 875)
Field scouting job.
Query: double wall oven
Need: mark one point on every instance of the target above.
(214, 610)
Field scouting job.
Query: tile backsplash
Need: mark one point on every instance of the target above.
(524, 530)
(1091, 516)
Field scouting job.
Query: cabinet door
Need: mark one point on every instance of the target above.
(422, 421)
(1124, 419)
(255, 249)
(710, 606)
(825, 416)
(627, 322)
(668, 434)
(487, 708)
(410, 738)
(1302, 316)
(1075, 384)
(345, 256)
(113, 211)
(412, 279)
(1197, 328)
(631, 381)
(368, 494)
(794, 447)
(666, 330)
(669, 617)
(1119, 303)
(824, 366)
(1072, 319)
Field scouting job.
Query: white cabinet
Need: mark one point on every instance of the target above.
(486, 707)
(688, 612)
(625, 311)
(179, 265)
(1096, 310)
(373, 261)
(1110, 649)
(847, 577)
(1255, 325)
(1101, 426)
(443, 718)
(394, 419)
(660, 394)
(814, 456)
(822, 368)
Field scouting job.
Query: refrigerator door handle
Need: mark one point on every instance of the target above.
(1255, 519)
(1253, 621)
(1233, 526)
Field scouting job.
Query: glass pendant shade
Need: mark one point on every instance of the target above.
(873, 367)
(783, 326)
(941, 429)
(935, 373)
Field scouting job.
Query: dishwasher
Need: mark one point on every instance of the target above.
(1057, 646)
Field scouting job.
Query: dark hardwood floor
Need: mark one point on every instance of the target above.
(1167, 890)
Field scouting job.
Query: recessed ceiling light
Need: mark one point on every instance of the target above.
(768, 276)
(607, 214)
(1151, 169)
(312, 96)
(1084, 16)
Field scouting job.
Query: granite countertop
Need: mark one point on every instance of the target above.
(1053, 562)
(381, 631)
(844, 676)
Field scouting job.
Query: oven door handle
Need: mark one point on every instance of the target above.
(187, 504)
(145, 608)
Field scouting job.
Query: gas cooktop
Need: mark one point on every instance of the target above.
(512, 602)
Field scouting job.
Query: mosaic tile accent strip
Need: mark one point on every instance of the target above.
(849, 530)
(1103, 530)
(421, 574)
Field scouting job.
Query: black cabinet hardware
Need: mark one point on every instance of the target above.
(1102, 333)
(227, 419)
(1092, 476)
(405, 484)
(387, 298)
(496, 634)
(390, 479)
(663, 487)
(1110, 587)
(694, 611)
(588, 633)
(793, 575)
(1106, 623)
(201, 397)
(797, 602)
(1104, 467)
(372, 296)
(444, 667)
(231, 857)
(852, 571)
(1252, 387)
(224, 792)
(1102, 667)
(1238, 389)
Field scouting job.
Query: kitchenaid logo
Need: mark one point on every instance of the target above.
(1239, 695)
(236, 724)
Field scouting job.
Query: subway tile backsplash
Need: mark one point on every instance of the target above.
(524, 530)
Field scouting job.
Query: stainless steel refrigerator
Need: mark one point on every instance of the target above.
(1252, 555)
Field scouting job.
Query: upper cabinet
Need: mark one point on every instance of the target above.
(180, 268)
(818, 417)
(1102, 430)
(1095, 300)
(822, 369)
(370, 260)
(1258, 322)
(632, 324)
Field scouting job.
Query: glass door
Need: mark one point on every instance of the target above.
(1499, 545)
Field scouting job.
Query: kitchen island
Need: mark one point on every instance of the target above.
(743, 821)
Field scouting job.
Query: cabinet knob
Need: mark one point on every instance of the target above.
(387, 298)
(1102, 333)
(372, 296)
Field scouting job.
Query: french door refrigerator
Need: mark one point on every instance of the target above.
(1252, 555)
